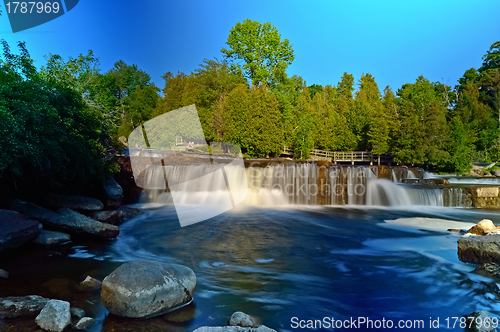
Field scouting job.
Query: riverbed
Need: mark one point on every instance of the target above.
(308, 262)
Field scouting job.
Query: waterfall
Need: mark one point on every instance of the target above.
(303, 183)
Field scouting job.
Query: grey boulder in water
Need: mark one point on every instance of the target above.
(142, 289)
(55, 316)
(479, 249)
(51, 239)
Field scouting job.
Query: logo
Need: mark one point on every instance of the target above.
(28, 14)
(170, 155)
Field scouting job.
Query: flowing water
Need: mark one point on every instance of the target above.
(381, 254)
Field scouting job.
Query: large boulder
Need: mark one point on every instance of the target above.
(482, 227)
(46, 217)
(21, 306)
(142, 289)
(79, 224)
(114, 217)
(72, 202)
(479, 249)
(55, 316)
(51, 239)
(113, 193)
(16, 229)
(66, 220)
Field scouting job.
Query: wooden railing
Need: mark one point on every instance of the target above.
(344, 156)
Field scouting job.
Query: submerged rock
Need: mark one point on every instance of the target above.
(479, 249)
(50, 238)
(55, 316)
(16, 229)
(21, 306)
(89, 284)
(114, 217)
(84, 323)
(142, 289)
(482, 227)
(77, 312)
(113, 193)
(73, 202)
(242, 319)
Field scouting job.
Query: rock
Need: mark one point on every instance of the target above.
(109, 217)
(261, 328)
(77, 312)
(16, 229)
(142, 289)
(241, 319)
(495, 231)
(4, 274)
(73, 202)
(66, 220)
(496, 172)
(129, 212)
(50, 238)
(479, 249)
(55, 316)
(21, 306)
(483, 317)
(113, 193)
(77, 223)
(488, 270)
(482, 227)
(46, 217)
(89, 284)
(125, 178)
(84, 323)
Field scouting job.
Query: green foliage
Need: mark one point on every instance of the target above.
(491, 60)
(49, 135)
(259, 45)
(304, 142)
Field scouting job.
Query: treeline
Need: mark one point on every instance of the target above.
(423, 123)
(61, 124)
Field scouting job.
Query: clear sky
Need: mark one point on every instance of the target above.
(395, 41)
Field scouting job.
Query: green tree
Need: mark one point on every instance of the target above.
(304, 141)
(264, 54)
(49, 136)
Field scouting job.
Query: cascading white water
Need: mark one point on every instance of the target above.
(299, 183)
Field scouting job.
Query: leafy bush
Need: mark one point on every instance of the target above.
(48, 135)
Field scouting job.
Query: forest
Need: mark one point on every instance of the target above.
(60, 124)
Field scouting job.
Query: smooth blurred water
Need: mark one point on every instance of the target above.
(308, 262)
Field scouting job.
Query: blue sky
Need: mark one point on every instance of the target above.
(395, 41)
